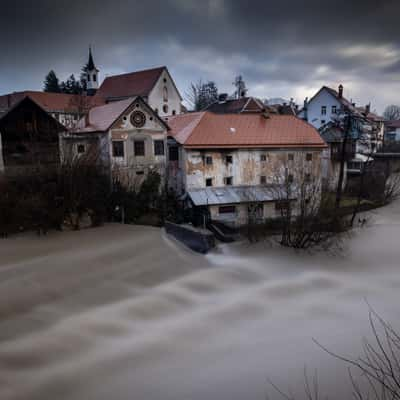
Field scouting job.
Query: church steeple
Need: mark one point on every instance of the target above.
(92, 81)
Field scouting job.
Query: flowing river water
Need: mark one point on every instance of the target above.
(123, 312)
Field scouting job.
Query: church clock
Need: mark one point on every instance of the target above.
(138, 119)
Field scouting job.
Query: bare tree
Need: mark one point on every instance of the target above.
(202, 94)
(392, 112)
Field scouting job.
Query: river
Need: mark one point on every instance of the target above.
(124, 312)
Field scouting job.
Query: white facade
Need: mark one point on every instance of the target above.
(321, 109)
(164, 98)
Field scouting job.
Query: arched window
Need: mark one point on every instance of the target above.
(165, 93)
(94, 77)
(165, 109)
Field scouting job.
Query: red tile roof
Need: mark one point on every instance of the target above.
(51, 102)
(208, 130)
(139, 83)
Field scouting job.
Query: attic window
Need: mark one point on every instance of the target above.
(228, 159)
(165, 80)
(137, 105)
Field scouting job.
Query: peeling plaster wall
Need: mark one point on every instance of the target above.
(247, 166)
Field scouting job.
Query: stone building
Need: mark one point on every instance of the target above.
(225, 164)
(126, 136)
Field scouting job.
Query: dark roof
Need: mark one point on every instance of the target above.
(236, 106)
(90, 64)
(139, 83)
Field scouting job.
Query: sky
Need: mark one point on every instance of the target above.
(281, 48)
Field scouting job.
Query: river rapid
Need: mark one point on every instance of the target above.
(125, 312)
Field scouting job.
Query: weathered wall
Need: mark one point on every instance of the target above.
(247, 166)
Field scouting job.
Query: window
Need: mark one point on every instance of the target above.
(118, 148)
(139, 147)
(323, 110)
(290, 178)
(281, 205)
(263, 179)
(173, 112)
(88, 77)
(81, 148)
(263, 157)
(165, 94)
(322, 122)
(139, 172)
(209, 182)
(333, 109)
(309, 157)
(173, 154)
(209, 160)
(228, 180)
(307, 178)
(227, 210)
(165, 108)
(159, 147)
(290, 157)
(228, 159)
(94, 78)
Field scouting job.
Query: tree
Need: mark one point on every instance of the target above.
(201, 95)
(71, 86)
(51, 83)
(392, 112)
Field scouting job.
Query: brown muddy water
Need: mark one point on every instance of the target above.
(123, 312)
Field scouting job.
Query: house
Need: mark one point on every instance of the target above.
(334, 136)
(155, 86)
(227, 163)
(392, 131)
(125, 136)
(28, 139)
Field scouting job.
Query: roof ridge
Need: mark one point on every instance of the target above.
(136, 72)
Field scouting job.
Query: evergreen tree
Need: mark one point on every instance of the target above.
(51, 83)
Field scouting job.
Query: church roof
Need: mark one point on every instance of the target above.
(139, 83)
(90, 64)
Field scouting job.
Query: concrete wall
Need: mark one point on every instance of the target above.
(247, 166)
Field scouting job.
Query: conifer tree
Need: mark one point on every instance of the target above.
(51, 83)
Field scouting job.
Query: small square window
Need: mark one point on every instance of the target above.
(309, 157)
(333, 109)
(209, 160)
(228, 180)
(228, 159)
(81, 148)
(139, 147)
(290, 157)
(118, 148)
(263, 157)
(290, 178)
(323, 122)
(159, 147)
(209, 182)
(323, 110)
(263, 179)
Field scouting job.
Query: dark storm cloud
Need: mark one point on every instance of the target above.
(285, 48)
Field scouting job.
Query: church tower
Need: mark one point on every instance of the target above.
(92, 76)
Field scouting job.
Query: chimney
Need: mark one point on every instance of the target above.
(340, 91)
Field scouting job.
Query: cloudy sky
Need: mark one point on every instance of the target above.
(282, 48)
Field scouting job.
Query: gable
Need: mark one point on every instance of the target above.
(139, 116)
(165, 79)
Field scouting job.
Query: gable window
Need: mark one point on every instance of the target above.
(309, 157)
(209, 160)
(228, 159)
(263, 157)
(228, 180)
(173, 154)
(290, 157)
(165, 109)
(209, 182)
(139, 147)
(333, 109)
(159, 147)
(263, 179)
(81, 148)
(323, 110)
(227, 210)
(118, 148)
(165, 94)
